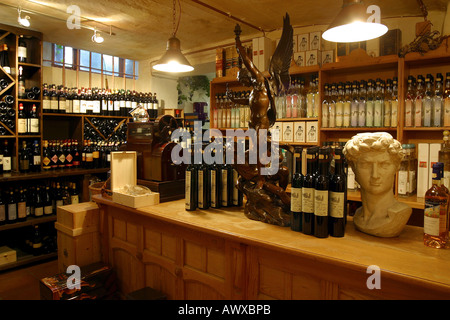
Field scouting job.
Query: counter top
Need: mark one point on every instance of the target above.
(403, 256)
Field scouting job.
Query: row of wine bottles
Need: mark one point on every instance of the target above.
(107, 128)
(97, 101)
(19, 203)
(211, 186)
(319, 198)
(7, 114)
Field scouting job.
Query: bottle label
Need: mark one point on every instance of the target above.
(76, 106)
(110, 105)
(308, 200)
(339, 114)
(387, 114)
(59, 203)
(213, 188)
(187, 196)
(22, 125)
(362, 114)
(96, 154)
(224, 187)
(62, 158)
(74, 199)
(408, 113)
(54, 104)
(96, 106)
(6, 163)
(437, 112)
(48, 209)
(394, 113)
(69, 158)
(12, 214)
(116, 105)
(22, 52)
(332, 118)
(434, 222)
(418, 113)
(83, 106)
(355, 113)
(403, 182)
(89, 157)
(377, 115)
(2, 213)
(296, 199)
(21, 210)
(34, 125)
(346, 116)
(321, 203)
(427, 113)
(337, 204)
(369, 114)
(46, 162)
(200, 189)
(447, 112)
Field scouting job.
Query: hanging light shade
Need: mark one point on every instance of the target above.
(352, 24)
(173, 60)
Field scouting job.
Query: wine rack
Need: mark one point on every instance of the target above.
(103, 129)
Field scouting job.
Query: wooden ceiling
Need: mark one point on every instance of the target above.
(141, 28)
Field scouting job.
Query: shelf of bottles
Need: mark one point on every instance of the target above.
(231, 114)
(61, 100)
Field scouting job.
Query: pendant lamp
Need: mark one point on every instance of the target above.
(173, 60)
(355, 22)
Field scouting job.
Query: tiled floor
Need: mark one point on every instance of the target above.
(23, 283)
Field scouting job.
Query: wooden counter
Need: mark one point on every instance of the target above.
(221, 254)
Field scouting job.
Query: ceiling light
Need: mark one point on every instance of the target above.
(97, 37)
(355, 23)
(173, 60)
(25, 22)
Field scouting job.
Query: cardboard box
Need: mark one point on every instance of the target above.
(312, 131)
(300, 131)
(7, 255)
(276, 131)
(312, 57)
(255, 49)
(433, 158)
(124, 172)
(299, 58)
(288, 132)
(303, 42)
(423, 150)
(326, 57)
(265, 51)
(315, 40)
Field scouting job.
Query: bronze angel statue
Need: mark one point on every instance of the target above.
(266, 197)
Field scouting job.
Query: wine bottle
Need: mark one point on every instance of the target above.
(227, 185)
(215, 175)
(46, 108)
(296, 192)
(61, 100)
(65, 195)
(11, 207)
(33, 121)
(76, 101)
(191, 184)
(321, 189)
(95, 155)
(47, 199)
(21, 206)
(308, 192)
(338, 196)
(27, 202)
(3, 209)
(53, 156)
(37, 241)
(24, 158)
(7, 156)
(22, 50)
(22, 123)
(54, 100)
(68, 153)
(237, 196)
(203, 189)
(38, 202)
(21, 84)
(74, 196)
(4, 59)
(46, 157)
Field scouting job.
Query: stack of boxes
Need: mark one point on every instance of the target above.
(308, 50)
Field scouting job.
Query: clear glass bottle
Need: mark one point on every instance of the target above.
(418, 102)
(412, 169)
(340, 106)
(294, 99)
(446, 111)
(325, 106)
(347, 105)
(438, 102)
(428, 101)
(387, 104)
(354, 107)
(394, 103)
(362, 103)
(378, 105)
(409, 102)
(310, 99)
(332, 106)
(444, 157)
(403, 173)
(316, 96)
(370, 103)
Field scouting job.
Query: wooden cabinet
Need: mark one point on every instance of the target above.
(220, 254)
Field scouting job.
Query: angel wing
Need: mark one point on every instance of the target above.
(281, 59)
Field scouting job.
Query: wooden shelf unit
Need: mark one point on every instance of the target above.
(359, 66)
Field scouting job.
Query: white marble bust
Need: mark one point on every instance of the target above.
(375, 158)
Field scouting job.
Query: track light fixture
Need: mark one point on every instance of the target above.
(97, 38)
(25, 22)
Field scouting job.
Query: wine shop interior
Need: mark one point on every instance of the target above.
(238, 150)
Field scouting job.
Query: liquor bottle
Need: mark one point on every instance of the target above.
(21, 206)
(54, 100)
(22, 50)
(428, 100)
(362, 104)
(76, 101)
(378, 105)
(61, 155)
(446, 112)
(403, 173)
(438, 102)
(326, 106)
(308, 192)
(97, 108)
(46, 108)
(37, 241)
(354, 107)
(7, 158)
(215, 175)
(321, 194)
(444, 157)
(237, 196)
(418, 102)
(21, 84)
(296, 192)
(409, 102)
(3, 209)
(203, 188)
(435, 214)
(4, 59)
(347, 105)
(288, 98)
(22, 123)
(65, 195)
(33, 121)
(61, 99)
(38, 202)
(47, 199)
(387, 104)
(46, 157)
(332, 106)
(74, 195)
(89, 163)
(53, 155)
(338, 196)
(310, 99)
(340, 106)
(227, 185)
(11, 203)
(191, 184)
(24, 158)
(59, 196)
